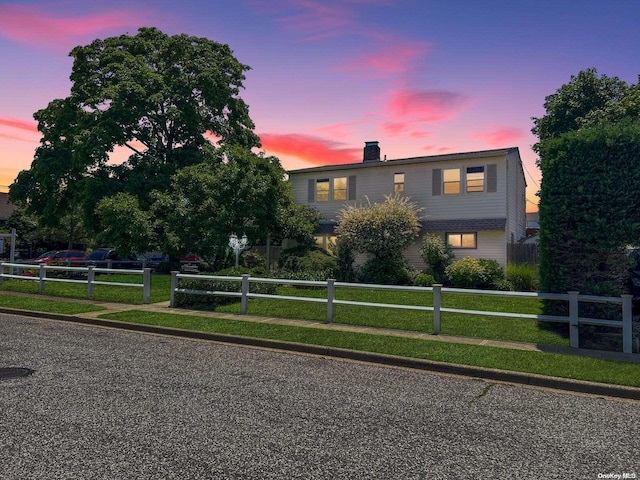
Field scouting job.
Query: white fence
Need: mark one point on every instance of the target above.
(573, 298)
(86, 275)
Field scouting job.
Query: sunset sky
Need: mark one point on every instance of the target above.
(422, 77)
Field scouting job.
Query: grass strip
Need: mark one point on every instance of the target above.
(46, 305)
(551, 364)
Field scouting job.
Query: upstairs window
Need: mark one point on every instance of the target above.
(475, 179)
(322, 190)
(398, 182)
(451, 181)
(340, 188)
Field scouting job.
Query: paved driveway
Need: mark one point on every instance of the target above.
(110, 404)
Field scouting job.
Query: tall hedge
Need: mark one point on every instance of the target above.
(589, 208)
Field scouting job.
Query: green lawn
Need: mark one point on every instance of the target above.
(564, 366)
(582, 368)
(160, 285)
(495, 328)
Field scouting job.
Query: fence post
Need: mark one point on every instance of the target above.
(91, 276)
(42, 276)
(146, 285)
(331, 295)
(1, 272)
(627, 332)
(574, 340)
(174, 285)
(245, 292)
(437, 304)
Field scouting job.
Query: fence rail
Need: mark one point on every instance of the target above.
(85, 275)
(573, 299)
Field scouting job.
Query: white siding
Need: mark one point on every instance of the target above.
(375, 180)
(516, 200)
(490, 244)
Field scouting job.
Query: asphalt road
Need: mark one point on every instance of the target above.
(111, 404)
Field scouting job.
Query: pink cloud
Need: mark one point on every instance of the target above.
(394, 129)
(314, 150)
(14, 137)
(32, 26)
(500, 136)
(425, 105)
(315, 19)
(312, 18)
(437, 149)
(389, 60)
(20, 124)
(338, 130)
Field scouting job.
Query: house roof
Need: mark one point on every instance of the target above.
(460, 225)
(464, 225)
(405, 161)
(6, 208)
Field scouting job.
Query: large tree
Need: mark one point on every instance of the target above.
(167, 99)
(589, 143)
(233, 191)
(577, 102)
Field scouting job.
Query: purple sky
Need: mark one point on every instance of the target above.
(422, 77)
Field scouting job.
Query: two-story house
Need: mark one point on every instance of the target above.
(475, 201)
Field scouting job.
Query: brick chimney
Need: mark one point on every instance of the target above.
(371, 152)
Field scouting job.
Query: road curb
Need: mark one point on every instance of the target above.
(519, 378)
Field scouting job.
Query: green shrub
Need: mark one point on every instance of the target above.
(523, 277)
(437, 255)
(503, 285)
(475, 273)
(465, 273)
(493, 272)
(307, 263)
(209, 302)
(386, 271)
(168, 267)
(255, 261)
(345, 271)
(310, 275)
(424, 280)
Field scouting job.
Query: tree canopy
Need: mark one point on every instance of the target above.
(167, 99)
(589, 201)
(577, 103)
(172, 102)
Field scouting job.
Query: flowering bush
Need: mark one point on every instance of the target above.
(380, 229)
(475, 273)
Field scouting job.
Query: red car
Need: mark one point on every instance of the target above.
(73, 258)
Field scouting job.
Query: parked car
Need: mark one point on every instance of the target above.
(73, 258)
(109, 258)
(191, 258)
(43, 257)
(153, 259)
